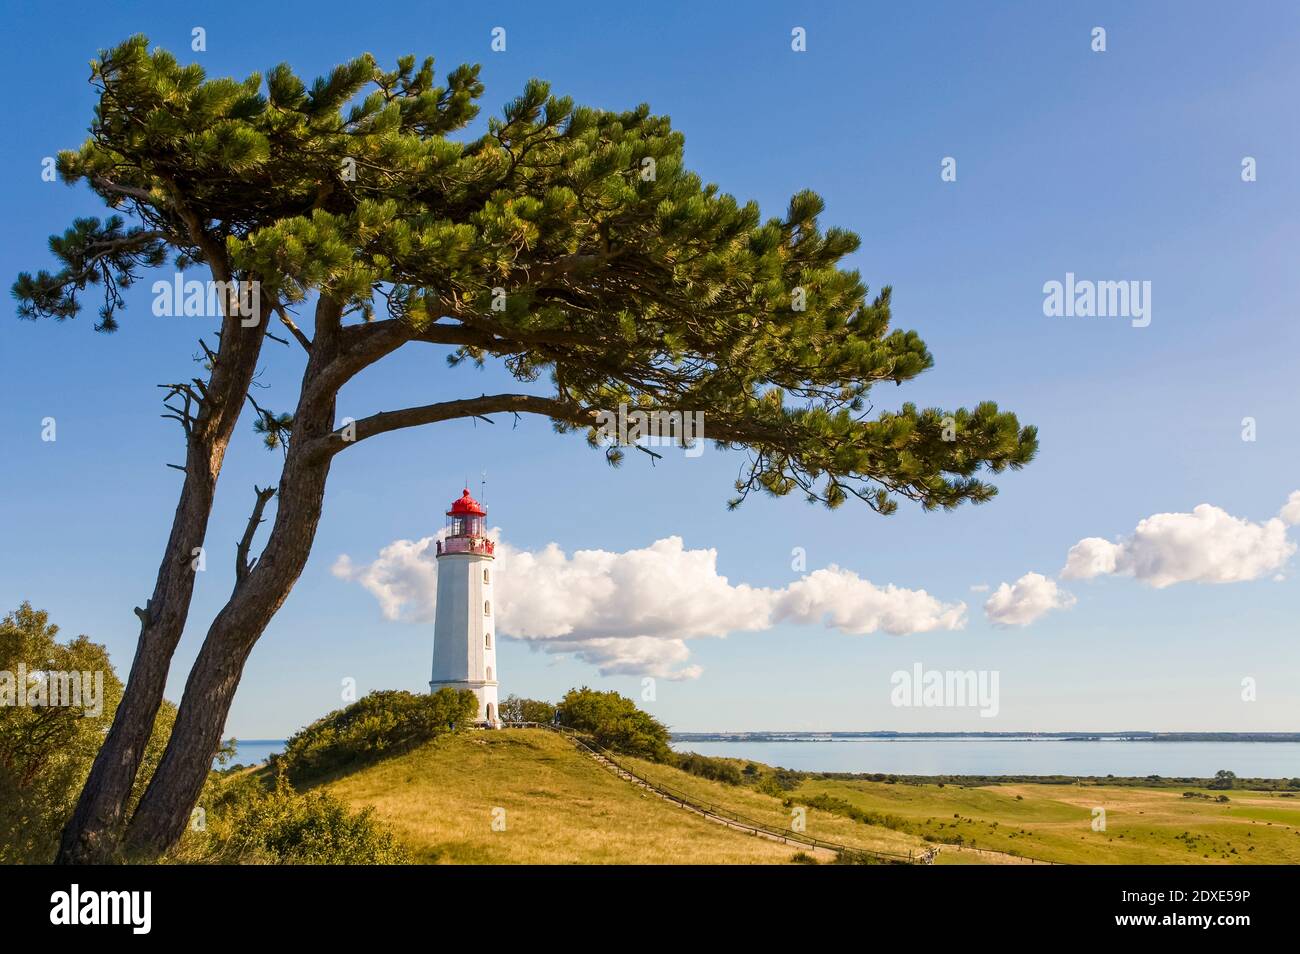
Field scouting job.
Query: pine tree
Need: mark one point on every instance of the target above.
(570, 244)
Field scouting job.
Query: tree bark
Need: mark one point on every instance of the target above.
(164, 810)
(92, 834)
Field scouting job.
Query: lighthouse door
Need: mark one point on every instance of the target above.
(489, 713)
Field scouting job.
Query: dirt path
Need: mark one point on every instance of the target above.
(821, 850)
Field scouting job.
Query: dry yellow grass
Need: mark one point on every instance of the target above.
(560, 807)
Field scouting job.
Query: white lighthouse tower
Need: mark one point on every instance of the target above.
(464, 630)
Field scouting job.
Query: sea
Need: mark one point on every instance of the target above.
(253, 751)
(977, 756)
(1013, 756)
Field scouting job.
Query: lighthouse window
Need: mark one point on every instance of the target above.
(489, 673)
(487, 643)
(487, 607)
(485, 576)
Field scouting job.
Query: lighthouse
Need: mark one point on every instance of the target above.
(464, 630)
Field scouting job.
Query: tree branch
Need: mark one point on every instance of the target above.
(386, 421)
(243, 565)
(293, 328)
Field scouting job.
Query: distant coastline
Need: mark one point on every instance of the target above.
(992, 736)
(987, 756)
(940, 736)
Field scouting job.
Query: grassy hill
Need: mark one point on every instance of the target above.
(560, 808)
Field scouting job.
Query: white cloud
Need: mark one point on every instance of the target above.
(632, 612)
(1028, 599)
(1091, 556)
(663, 590)
(1208, 545)
(854, 605)
(1290, 514)
(402, 578)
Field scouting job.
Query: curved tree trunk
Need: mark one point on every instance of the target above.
(91, 835)
(165, 808)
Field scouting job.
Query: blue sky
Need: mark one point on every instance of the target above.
(1117, 165)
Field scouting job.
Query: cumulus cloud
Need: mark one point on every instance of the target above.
(403, 578)
(1208, 545)
(1030, 598)
(663, 590)
(1290, 514)
(633, 612)
(1091, 556)
(844, 600)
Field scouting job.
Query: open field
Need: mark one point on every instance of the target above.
(1054, 822)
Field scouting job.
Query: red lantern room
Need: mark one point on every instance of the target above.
(465, 531)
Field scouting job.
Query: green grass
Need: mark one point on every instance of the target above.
(771, 810)
(560, 808)
(1054, 822)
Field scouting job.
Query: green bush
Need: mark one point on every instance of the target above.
(380, 724)
(779, 781)
(838, 806)
(249, 823)
(718, 770)
(615, 723)
(516, 709)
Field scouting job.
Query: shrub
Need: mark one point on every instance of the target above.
(377, 725)
(779, 782)
(718, 770)
(516, 709)
(615, 723)
(249, 823)
(838, 806)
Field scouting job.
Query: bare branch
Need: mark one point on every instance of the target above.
(243, 565)
(288, 322)
(185, 415)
